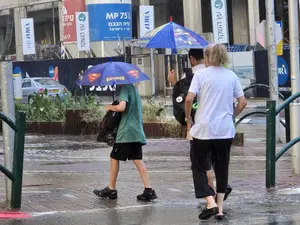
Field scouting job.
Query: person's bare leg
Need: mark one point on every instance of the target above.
(140, 165)
(210, 178)
(210, 202)
(220, 202)
(114, 170)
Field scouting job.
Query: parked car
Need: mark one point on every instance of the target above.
(30, 86)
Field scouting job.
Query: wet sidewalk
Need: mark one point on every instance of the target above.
(61, 172)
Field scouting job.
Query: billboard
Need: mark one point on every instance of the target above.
(220, 21)
(146, 19)
(83, 31)
(70, 7)
(28, 38)
(66, 72)
(113, 23)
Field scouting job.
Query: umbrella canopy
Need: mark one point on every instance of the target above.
(173, 36)
(112, 73)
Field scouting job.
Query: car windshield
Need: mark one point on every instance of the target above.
(46, 82)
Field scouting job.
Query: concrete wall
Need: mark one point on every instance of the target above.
(240, 22)
(242, 63)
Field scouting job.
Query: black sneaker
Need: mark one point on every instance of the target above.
(106, 193)
(148, 195)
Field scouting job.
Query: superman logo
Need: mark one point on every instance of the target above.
(93, 77)
(134, 73)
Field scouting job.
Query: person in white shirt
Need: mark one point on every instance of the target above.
(196, 57)
(213, 129)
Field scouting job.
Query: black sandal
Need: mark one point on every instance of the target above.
(208, 213)
(220, 217)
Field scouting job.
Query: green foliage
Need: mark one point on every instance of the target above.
(154, 112)
(93, 114)
(45, 109)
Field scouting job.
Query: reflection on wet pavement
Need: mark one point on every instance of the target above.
(60, 173)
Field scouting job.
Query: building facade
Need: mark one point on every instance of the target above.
(243, 17)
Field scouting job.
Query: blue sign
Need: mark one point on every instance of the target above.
(283, 71)
(110, 22)
(51, 71)
(18, 70)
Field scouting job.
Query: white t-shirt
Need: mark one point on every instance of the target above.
(216, 87)
(195, 69)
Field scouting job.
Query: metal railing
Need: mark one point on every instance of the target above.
(16, 176)
(285, 123)
(271, 156)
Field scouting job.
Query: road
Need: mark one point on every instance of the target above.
(61, 172)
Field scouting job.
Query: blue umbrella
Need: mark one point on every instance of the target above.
(173, 36)
(112, 73)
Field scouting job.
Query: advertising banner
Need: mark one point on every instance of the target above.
(70, 7)
(28, 39)
(220, 21)
(83, 31)
(113, 23)
(146, 19)
(66, 72)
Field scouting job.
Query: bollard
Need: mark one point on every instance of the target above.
(287, 124)
(16, 195)
(271, 144)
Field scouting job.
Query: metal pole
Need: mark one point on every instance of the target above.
(152, 71)
(295, 132)
(295, 79)
(102, 50)
(270, 144)
(18, 161)
(53, 21)
(272, 58)
(8, 108)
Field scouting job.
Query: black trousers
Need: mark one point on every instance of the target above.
(219, 151)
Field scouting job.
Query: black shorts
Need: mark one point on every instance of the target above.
(127, 151)
(209, 163)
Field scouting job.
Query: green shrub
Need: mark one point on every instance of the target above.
(93, 114)
(154, 112)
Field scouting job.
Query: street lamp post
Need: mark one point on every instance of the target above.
(272, 58)
(295, 81)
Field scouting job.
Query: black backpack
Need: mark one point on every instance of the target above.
(108, 127)
(180, 92)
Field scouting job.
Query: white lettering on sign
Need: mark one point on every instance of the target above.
(282, 70)
(98, 88)
(121, 15)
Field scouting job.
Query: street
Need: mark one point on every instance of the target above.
(61, 172)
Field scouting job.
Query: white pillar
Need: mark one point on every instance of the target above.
(193, 15)
(19, 13)
(144, 87)
(61, 21)
(295, 79)
(253, 18)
